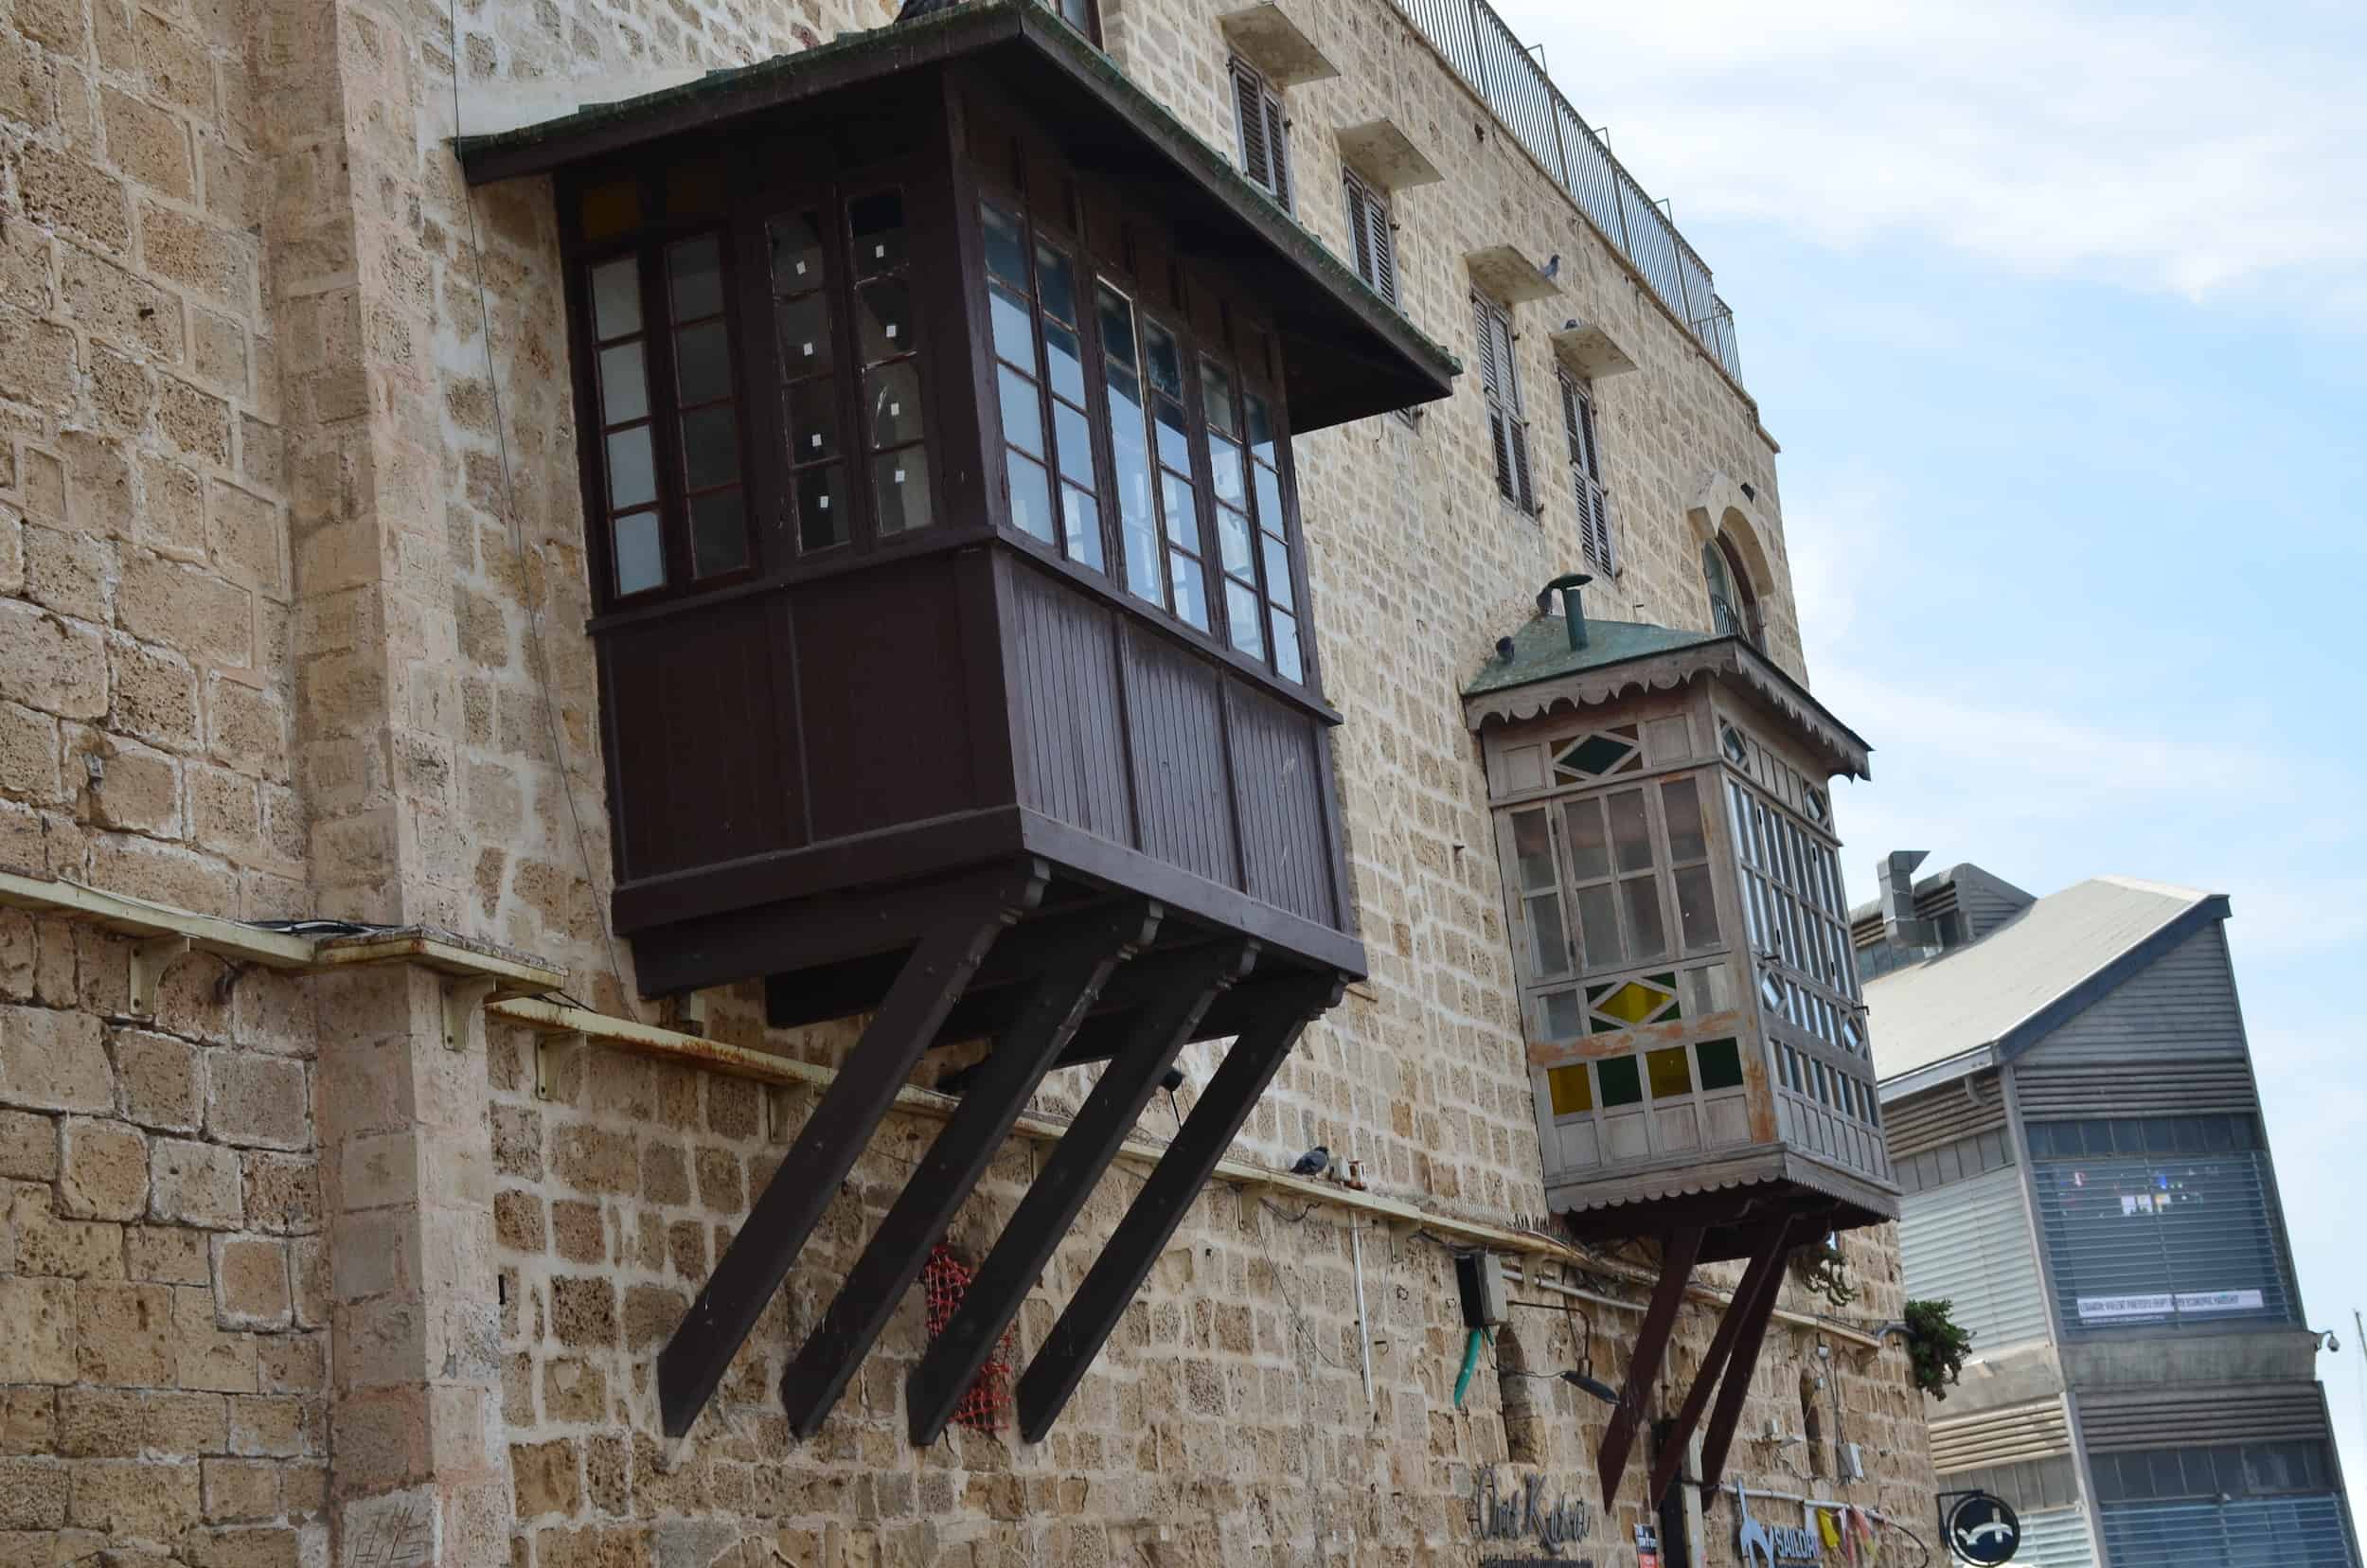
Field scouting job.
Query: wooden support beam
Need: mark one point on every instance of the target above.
(969, 916)
(1072, 975)
(1282, 1010)
(1162, 1026)
(1719, 1435)
(1762, 1274)
(1678, 1251)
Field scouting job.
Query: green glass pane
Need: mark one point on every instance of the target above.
(1596, 754)
(1571, 1092)
(1721, 1064)
(1671, 1071)
(1622, 1083)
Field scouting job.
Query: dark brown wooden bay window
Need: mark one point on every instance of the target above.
(934, 393)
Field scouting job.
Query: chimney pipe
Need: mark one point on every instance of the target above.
(1572, 612)
(1899, 926)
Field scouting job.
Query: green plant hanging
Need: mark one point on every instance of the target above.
(1936, 1345)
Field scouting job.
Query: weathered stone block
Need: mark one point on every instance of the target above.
(50, 1247)
(63, 192)
(251, 1282)
(54, 1060)
(134, 1500)
(37, 361)
(160, 1079)
(36, 1331)
(28, 1147)
(208, 1357)
(195, 1183)
(32, 1494)
(123, 1334)
(147, 143)
(283, 1193)
(584, 1312)
(138, 789)
(544, 1478)
(57, 666)
(259, 1100)
(167, 1254)
(105, 1170)
(238, 1491)
(100, 1423)
(155, 694)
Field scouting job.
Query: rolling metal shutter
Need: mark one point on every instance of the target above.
(1969, 1244)
(2135, 1089)
(2000, 1436)
(2162, 1240)
(2163, 1419)
(2266, 1532)
(2057, 1538)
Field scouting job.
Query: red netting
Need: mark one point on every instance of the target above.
(945, 1281)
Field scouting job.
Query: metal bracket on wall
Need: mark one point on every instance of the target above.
(149, 961)
(551, 1055)
(462, 1001)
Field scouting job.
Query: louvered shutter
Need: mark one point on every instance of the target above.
(1359, 229)
(1277, 147)
(1249, 111)
(1526, 497)
(1491, 383)
(1484, 333)
(1384, 244)
(1578, 410)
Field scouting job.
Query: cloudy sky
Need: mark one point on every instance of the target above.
(2058, 311)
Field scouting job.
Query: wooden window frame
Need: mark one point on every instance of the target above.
(1595, 538)
(1261, 130)
(1090, 28)
(1745, 619)
(1372, 234)
(1507, 423)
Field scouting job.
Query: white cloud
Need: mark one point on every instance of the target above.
(2189, 153)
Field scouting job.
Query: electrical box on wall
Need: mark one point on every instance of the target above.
(1480, 1277)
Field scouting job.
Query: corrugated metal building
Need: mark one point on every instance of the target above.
(2067, 1097)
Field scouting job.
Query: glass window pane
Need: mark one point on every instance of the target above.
(796, 243)
(1031, 497)
(616, 297)
(1647, 937)
(1589, 851)
(1055, 284)
(1549, 943)
(1232, 545)
(1260, 422)
(1269, 512)
(1007, 311)
(1216, 395)
(1565, 1020)
(1670, 1070)
(878, 224)
(1697, 908)
(1183, 516)
(1598, 929)
(893, 396)
(1117, 325)
(804, 328)
(1688, 839)
(1243, 623)
(1285, 648)
(1278, 586)
(702, 362)
(883, 318)
(1143, 576)
(1165, 361)
(1175, 443)
(1007, 247)
(640, 553)
(1226, 472)
(710, 447)
(1532, 849)
(1191, 593)
(1076, 442)
(696, 269)
(1721, 1064)
(900, 485)
(1066, 361)
(718, 533)
(1622, 1083)
(813, 420)
(1023, 415)
(1571, 1093)
(822, 516)
(1083, 517)
(624, 385)
(632, 469)
(1631, 834)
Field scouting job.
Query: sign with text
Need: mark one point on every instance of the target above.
(1764, 1546)
(1984, 1530)
(1530, 1514)
(2163, 1304)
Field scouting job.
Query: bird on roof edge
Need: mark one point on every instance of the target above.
(1314, 1163)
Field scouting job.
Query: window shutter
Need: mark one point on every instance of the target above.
(1484, 333)
(1384, 242)
(1498, 427)
(1586, 473)
(1524, 497)
(1249, 108)
(1278, 149)
(1359, 229)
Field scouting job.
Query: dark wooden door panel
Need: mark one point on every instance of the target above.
(702, 771)
(1066, 686)
(1175, 720)
(1281, 791)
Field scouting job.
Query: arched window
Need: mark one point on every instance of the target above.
(1733, 604)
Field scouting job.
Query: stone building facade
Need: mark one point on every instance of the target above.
(306, 1263)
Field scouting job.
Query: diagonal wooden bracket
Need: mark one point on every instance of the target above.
(1074, 969)
(1679, 1250)
(761, 1255)
(1283, 1008)
(1764, 1275)
(1161, 1026)
(1751, 1331)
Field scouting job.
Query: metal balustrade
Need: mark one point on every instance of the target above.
(1485, 54)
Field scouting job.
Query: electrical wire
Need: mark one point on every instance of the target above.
(518, 548)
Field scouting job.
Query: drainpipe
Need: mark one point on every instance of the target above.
(1572, 612)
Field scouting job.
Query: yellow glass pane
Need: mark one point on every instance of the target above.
(612, 210)
(1632, 1003)
(1670, 1072)
(1570, 1089)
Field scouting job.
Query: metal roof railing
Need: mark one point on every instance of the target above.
(1486, 55)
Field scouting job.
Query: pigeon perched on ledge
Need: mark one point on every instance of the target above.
(1314, 1163)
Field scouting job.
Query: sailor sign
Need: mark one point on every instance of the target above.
(1982, 1529)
